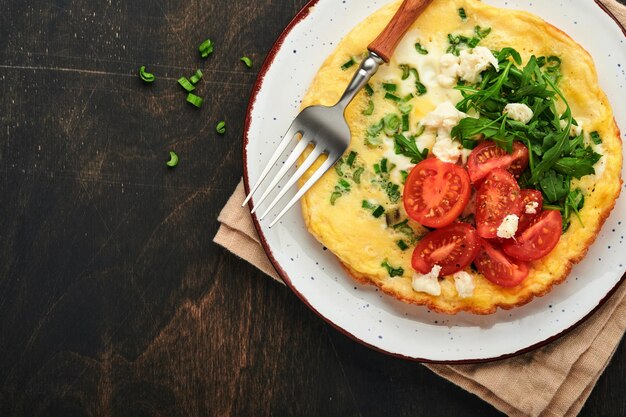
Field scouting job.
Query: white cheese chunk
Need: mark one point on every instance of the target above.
(473, 62)
(531, 208)
(464, 284)
(428, 283)
(519, 111)
(447, 150)
(448, 70)
(441, 120)
(508, 227)
(574, 130)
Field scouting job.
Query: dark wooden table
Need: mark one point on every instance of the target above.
(113, 299)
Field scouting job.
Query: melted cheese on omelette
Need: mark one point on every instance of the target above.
(362, 241)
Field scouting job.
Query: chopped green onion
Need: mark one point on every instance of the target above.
(367, 205)
(391, 87)
(380, 210)
(462, 14)
(420, 49)
(246, 61)
(206, 48)
(220, 127)
(195, 100)
(405, 108)
(351, 158)
(404, 174)
(405, 122)
(184, 82)
(147, 77)
(391, 124)
(334, 196)
(406, 70)
(356, 175)
(377, 168)
(408, 97)
(344, 184)
(393, 272)
(348, 64)
(595, 137)
(392, 97)
(473, 43)
(482, 32)
(196, 77)
(383, 165)
(173, 160)
(369, 109)
(402, 245)
(369, 90)
(421, 88)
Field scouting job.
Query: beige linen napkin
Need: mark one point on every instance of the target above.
(553, 381)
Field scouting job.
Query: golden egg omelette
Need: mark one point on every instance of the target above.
(356, 210)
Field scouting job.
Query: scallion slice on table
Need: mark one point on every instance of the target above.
(206, 48)
(184, 82)
(195, 78)
(195, 100)
(220, 127)
(246, 61)
(173, 160)
(147, 77)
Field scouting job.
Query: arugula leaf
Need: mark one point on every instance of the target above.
(408, 147)
(554, 186)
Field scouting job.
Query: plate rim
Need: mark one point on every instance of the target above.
(302, 14)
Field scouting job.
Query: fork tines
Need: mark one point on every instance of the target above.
(318, 149)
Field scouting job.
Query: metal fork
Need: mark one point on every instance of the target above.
(325, 127)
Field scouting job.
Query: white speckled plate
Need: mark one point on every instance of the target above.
(363, 312)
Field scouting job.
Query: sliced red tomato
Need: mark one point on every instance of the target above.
(519, 159)
(538, 239)
(436, 192)
(488, 156)
(498, 196)
(453, 248)
(529, 198)
(498, 267)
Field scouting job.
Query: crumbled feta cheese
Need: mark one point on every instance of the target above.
(448, 70)
(531, 208)
(428, 283)
(508, 227)
(574, 130)
(464, 284)
(442, 120)
(447, 150)
(473, 62)
(519, 111)
(444, 116)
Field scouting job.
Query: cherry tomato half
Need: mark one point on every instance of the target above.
(498, 267)
(488, 156)
(498, 196)
(453, 248)
(538, 239)
(529, 197)
(436, 192)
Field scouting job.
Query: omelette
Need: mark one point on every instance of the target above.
(431, 103)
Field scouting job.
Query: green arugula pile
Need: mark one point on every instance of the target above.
(555, 157)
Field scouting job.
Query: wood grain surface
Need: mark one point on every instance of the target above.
(113, 299)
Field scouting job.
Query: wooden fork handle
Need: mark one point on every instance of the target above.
(386, 42)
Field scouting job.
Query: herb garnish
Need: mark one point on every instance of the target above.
(555, 157)
(393, 272)
(147, 77)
